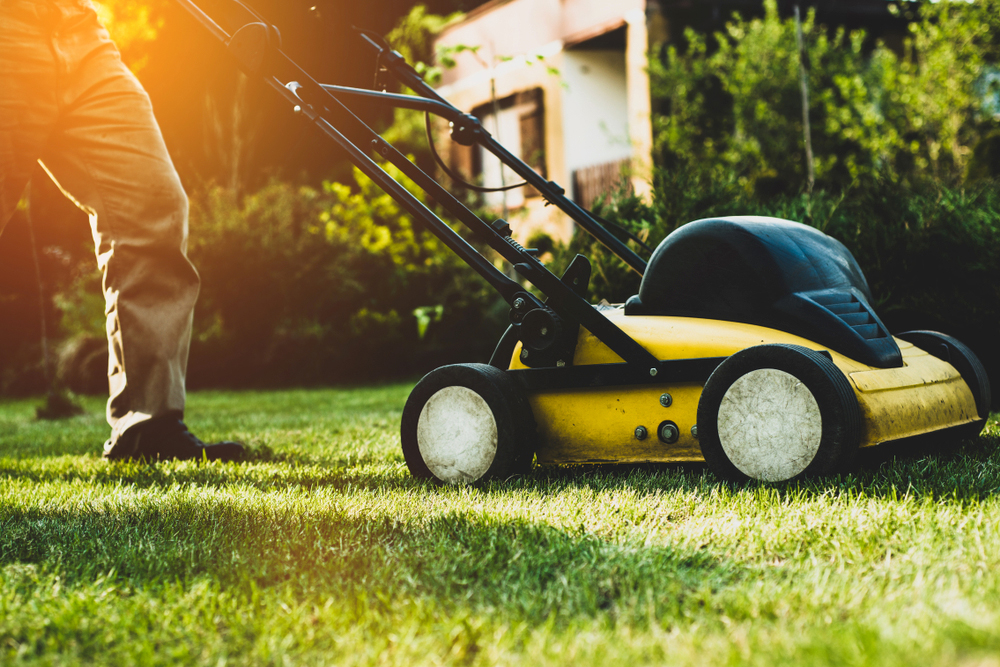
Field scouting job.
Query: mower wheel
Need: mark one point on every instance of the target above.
(467, 423)
(967, 364)
(774, 413)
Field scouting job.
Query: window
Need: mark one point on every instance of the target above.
(520, 127)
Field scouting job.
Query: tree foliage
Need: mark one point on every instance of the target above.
(732, 106)
(134, 25)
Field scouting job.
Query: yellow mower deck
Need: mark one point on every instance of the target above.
(599, 425)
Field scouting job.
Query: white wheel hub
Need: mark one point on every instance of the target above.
(770, 425)
(457, 435)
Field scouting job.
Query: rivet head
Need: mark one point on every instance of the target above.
(544, 331)
(518, 303)
(524, 354)
(652, 372)
(297, 109)
(666, 400)
(641, 433)
(694, 431)
(560, 363)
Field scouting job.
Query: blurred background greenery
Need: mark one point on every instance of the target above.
(311, 275)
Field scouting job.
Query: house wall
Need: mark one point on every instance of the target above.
(513, 27)
(595, 108)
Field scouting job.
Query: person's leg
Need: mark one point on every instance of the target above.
(107, 153)
(28, 107)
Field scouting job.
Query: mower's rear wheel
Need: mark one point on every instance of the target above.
(774, 413)
(967, 364)
(467, 423)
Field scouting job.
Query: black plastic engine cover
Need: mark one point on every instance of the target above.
(770, 272)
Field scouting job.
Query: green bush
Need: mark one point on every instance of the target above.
(731, 104)
(315, 286)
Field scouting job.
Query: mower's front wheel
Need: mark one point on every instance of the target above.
(467, 423)
(778, 412)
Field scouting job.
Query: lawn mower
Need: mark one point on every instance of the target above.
(752, 344)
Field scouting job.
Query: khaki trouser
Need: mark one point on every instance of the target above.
(66, 99)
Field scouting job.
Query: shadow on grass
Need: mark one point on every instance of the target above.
(267, 454)
(459, 561)
(970, 472)
(963, 470)
(924, 467)
(262, 476)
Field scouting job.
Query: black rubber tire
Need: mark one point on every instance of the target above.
(506, 403)
(840, 416)
(967, 364)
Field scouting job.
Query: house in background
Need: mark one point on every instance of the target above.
(563, 85)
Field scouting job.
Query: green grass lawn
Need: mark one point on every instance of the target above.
(322, 550)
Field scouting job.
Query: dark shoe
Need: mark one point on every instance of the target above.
(165, 439)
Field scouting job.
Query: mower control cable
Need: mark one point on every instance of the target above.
(458, 180)
(455, 177)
